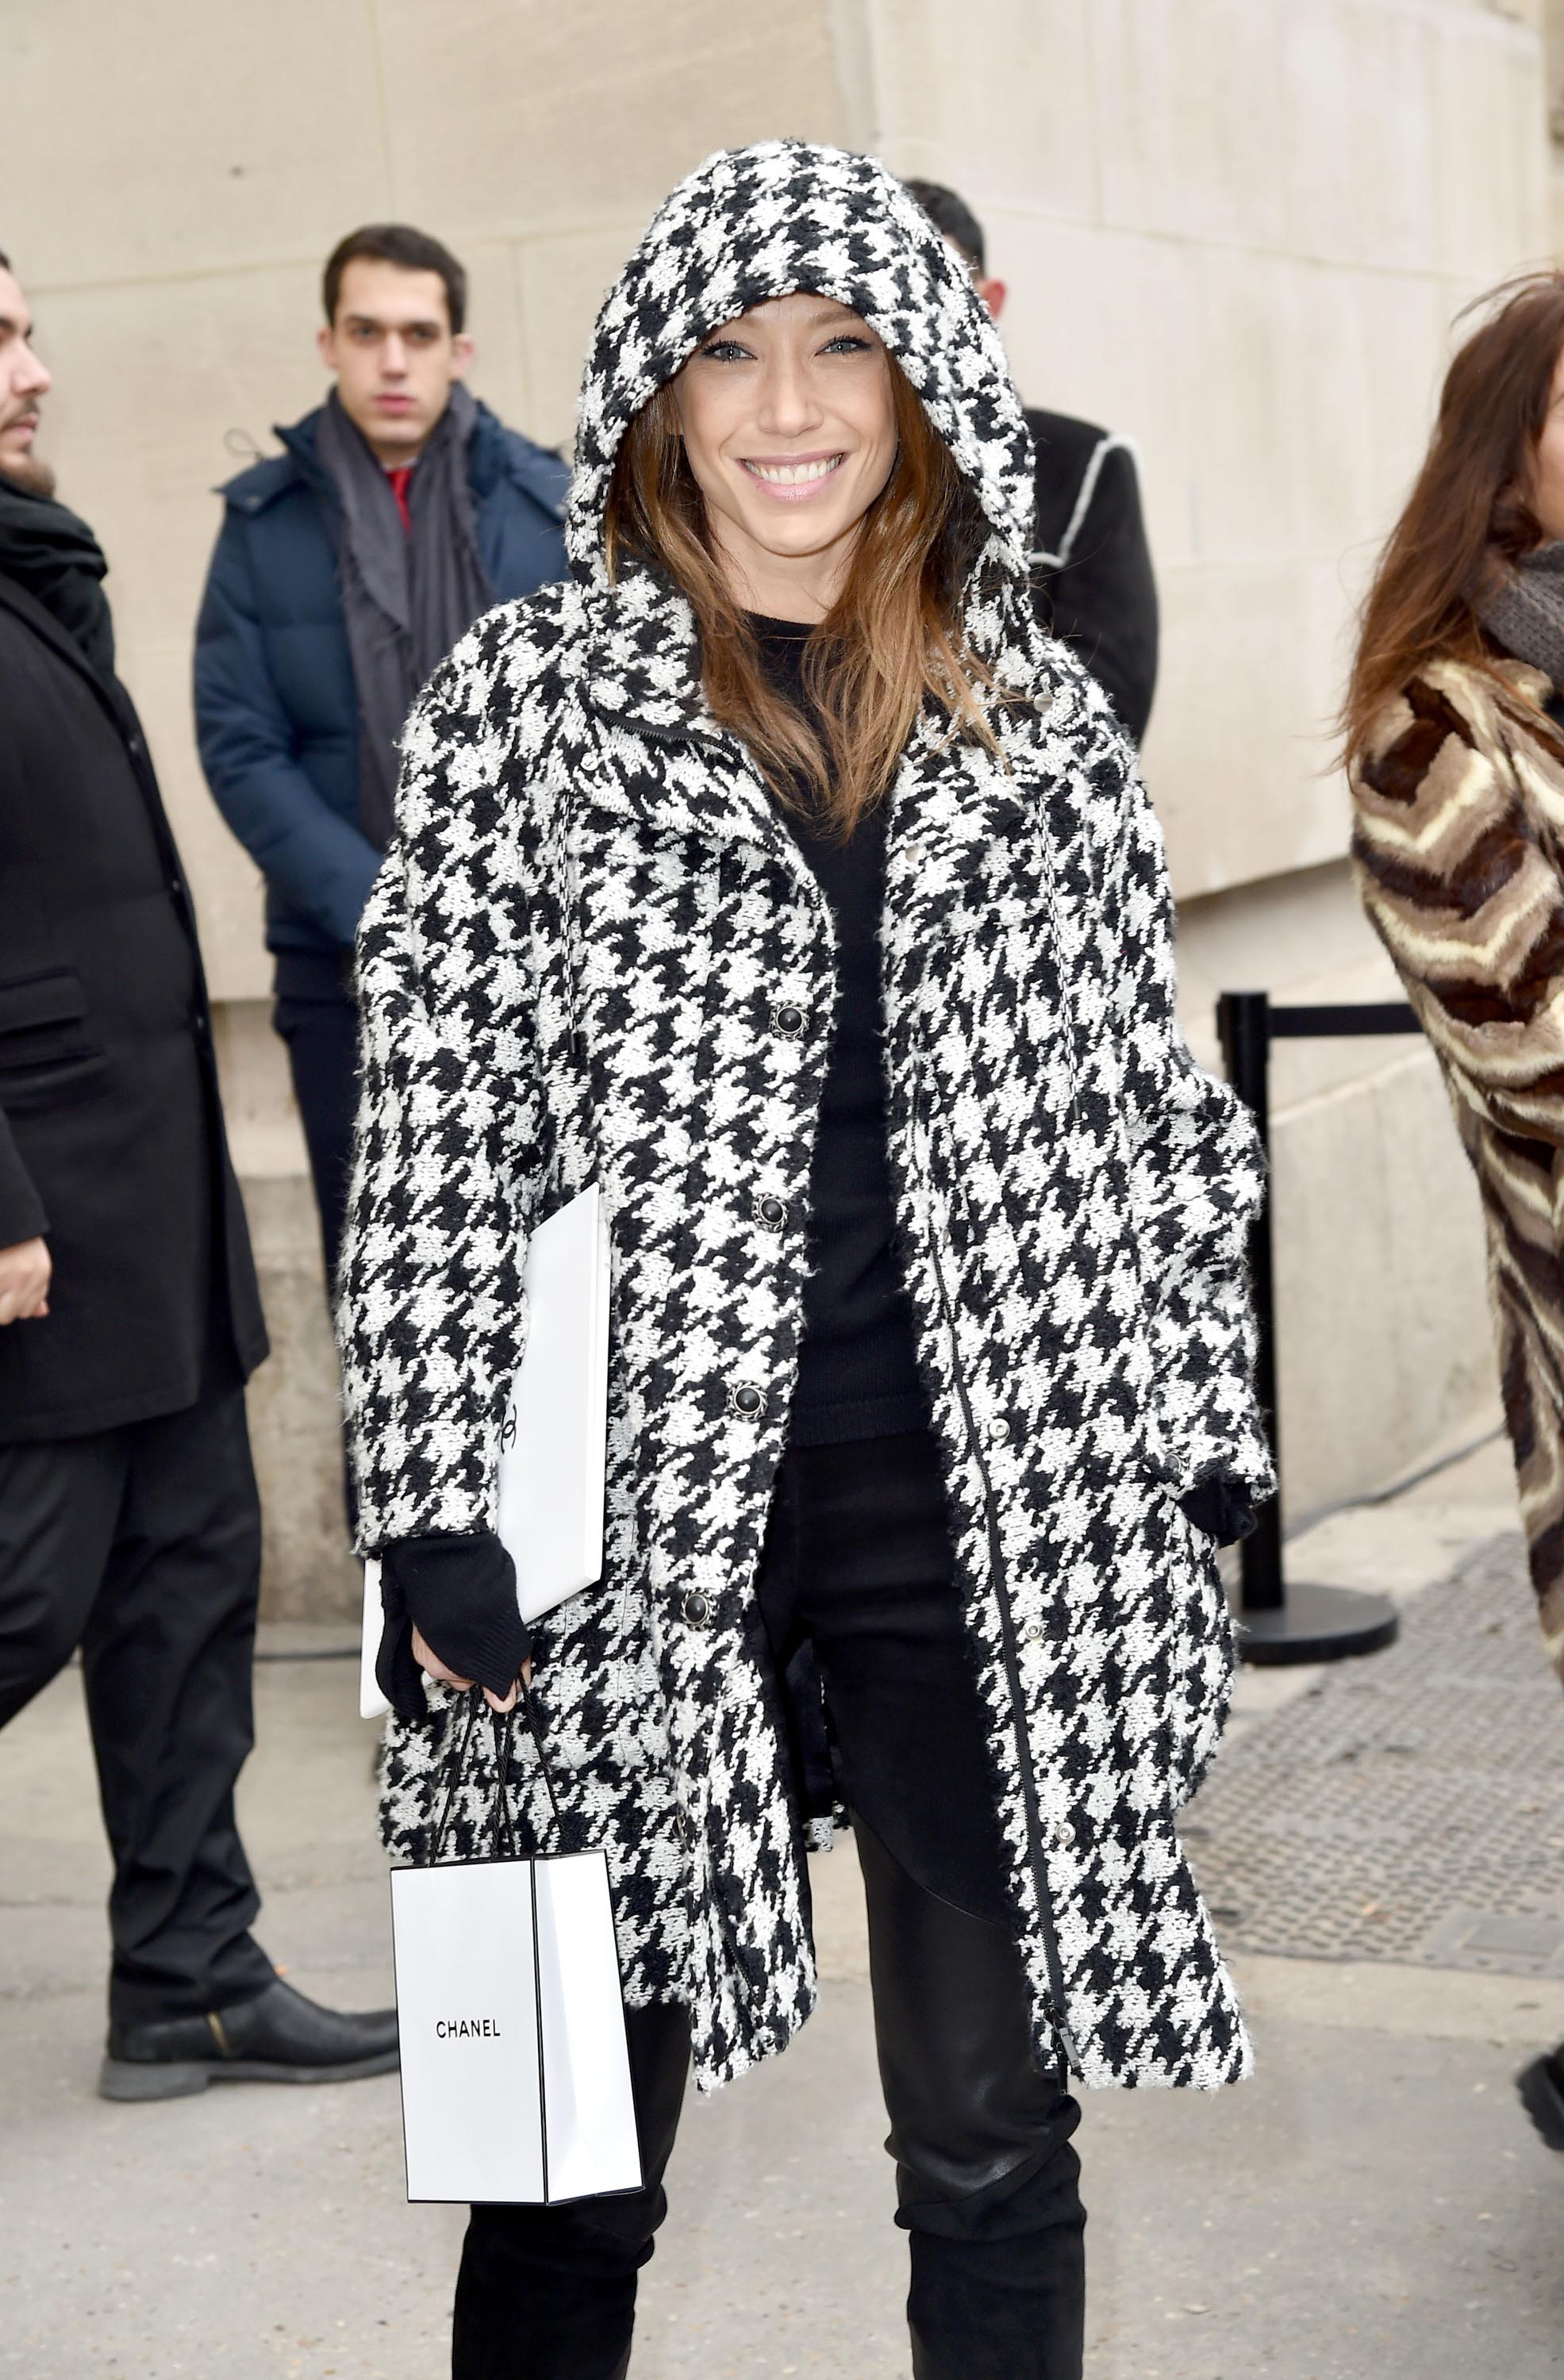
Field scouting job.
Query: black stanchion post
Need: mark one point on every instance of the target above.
(1244, 1024)
(1279, 1626)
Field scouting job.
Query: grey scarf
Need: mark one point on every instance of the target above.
(408, 599)
(1525, 610)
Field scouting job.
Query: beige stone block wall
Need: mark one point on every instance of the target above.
(170, 225)
(1239, 232)
(307, 1571)
(1212, 212)
(1383, 1331)
(1235, 229)
(1256, 282)
(1382, 1316)
(295, 1415)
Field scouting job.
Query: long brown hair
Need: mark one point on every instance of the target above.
(892, 638)
(1469, 512)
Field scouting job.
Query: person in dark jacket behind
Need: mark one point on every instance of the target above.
(1092, 569)
(129, 1321)
(344, 569)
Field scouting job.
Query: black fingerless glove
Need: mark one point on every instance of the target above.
(459, 1593)
(1222, 1510)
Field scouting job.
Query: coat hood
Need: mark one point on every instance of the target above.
(752, 224)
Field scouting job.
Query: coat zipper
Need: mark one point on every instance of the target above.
(1055, 2013)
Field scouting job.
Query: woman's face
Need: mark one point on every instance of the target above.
(789, 425)
(1548, 470)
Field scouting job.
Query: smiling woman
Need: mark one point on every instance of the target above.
(790, 433)
(788, 471)
(776, 878)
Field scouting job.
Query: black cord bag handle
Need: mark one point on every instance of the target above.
(502, 1828)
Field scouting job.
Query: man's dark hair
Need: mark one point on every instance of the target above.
(5, 261)
(954, 217)
(395, 244)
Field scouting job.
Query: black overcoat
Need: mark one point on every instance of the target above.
(1092, 570)
(111, 1132)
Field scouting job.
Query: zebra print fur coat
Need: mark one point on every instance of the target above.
(1459, 847)
(595, 951)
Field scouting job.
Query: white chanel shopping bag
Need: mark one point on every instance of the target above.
(516, 2083)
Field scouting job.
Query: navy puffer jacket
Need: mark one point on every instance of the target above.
(277, 716)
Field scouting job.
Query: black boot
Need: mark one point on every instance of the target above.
(278, 2037)
(986, 2177)
(998, 2289)
(1541, 2086)
(548, 2292)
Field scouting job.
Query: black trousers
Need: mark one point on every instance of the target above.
(142, 1546)
(317, 1018)
(858, 1560)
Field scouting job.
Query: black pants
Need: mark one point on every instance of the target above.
(143, 1545)
(857, 1559)
(317, 1018)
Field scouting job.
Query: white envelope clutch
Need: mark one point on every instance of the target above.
(554, 1438)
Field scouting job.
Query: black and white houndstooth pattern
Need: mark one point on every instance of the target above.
(594, 949)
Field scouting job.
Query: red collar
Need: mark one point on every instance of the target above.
(400, 478)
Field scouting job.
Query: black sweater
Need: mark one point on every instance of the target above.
(858, 1376)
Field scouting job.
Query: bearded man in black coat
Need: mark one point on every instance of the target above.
(130, 1320)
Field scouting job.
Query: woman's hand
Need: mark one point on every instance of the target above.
(432, 1667)
(463, 1584)
(24, 1281)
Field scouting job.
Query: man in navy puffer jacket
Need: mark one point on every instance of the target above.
(345, 568)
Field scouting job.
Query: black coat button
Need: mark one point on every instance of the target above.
(697, 1608)
(789, 1020)
(770, 1210)
(747, 1400)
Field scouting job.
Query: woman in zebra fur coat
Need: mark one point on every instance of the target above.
(1455, 748)
(774, 874)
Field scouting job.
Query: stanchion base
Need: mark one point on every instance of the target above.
(1316, 1623)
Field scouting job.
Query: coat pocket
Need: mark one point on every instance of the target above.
(46, 1058)
(1203, 1658)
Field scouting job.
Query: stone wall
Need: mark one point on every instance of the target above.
(1241, 232)
(1236, 229)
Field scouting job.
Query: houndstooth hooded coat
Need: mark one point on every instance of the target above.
(594, 951)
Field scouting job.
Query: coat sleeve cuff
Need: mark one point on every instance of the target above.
(459, 1592)
(22, 1215)
(1221, 1508)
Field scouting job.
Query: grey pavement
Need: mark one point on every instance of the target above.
(1372, 2203)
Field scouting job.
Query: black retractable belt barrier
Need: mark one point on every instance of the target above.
(1280, 1624)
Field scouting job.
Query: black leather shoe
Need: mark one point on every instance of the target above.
(279, 2037)
(1541, 2086)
